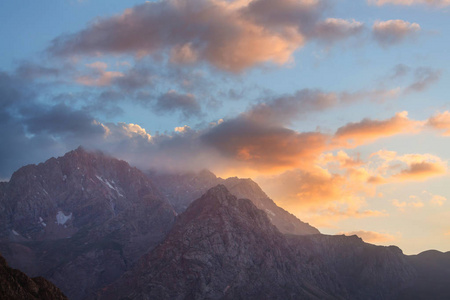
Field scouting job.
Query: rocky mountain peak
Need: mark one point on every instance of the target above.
(220, 247)
(182, 189)
(83, 209)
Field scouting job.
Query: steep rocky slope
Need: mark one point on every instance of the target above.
(183, 189)
(219, 248)
(222, 247)
(15, 285)
(81, 220)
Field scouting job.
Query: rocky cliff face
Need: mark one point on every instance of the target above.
(16, 285)
(81, 220)
(183, 189)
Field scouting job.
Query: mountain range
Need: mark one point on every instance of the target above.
(100, 229)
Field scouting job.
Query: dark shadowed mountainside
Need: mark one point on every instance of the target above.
(433, 282)
(15, 285)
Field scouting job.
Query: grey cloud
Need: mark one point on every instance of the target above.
(423, 78)
(282, 110)
(332, 30)
(135, 78)
(172, 101)
(400, 71)
(391, 32)
(302, 14)
(61, 120)
(30, 70)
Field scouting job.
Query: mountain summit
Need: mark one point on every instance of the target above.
(182, 189)
(221, 247)
(81, 220)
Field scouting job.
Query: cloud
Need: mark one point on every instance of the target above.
(422, 170)
(438, 200)
(283, 109)
(408, 167)
(437, 3)
(391, 32)
(440, 121)
(354, 134)
(413, 202)
(400, 71)
(332, 30)
(98, 76)
(423, 78)
(229, 35)
(30, 70)
(264, 147)
(173, 101)
(372, 236)
(200, 30)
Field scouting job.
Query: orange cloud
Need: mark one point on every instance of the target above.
(371, 236)
(441, 121)
(391, 167)
(264, 148)
(414, 203)
(355, 134)
(422, 170)
(438, 200)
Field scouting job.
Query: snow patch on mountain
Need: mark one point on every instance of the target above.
(61, 218)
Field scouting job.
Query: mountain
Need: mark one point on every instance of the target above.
(80, 220)
(99, 228)
(222, 247)
(182, 189)
(433, 268)
(14, 285)
(219, 248)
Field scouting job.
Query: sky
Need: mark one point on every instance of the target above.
(339, 109)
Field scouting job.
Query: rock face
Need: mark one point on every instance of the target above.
(16, 285)
(222, 247)
(80, 220)
(183, 189)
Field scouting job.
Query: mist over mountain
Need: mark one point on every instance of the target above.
(182, 189)
(98, 228)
